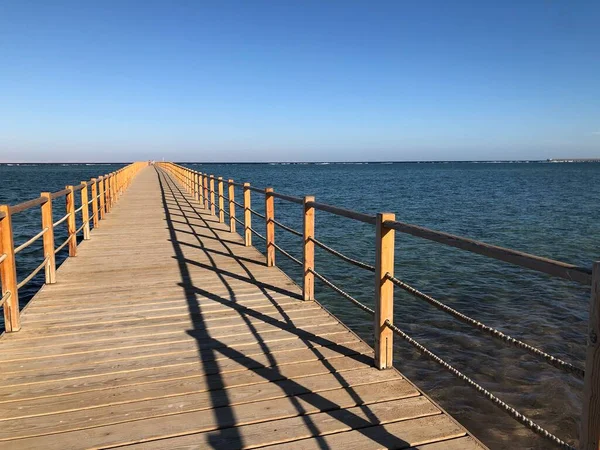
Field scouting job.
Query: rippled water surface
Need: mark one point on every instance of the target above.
(546, 209)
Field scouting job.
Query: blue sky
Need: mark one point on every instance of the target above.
(299, 80)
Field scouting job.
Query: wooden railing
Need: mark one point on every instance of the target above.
(99, 194)
(202, 187)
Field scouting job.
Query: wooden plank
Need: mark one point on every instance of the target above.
(162, 365)
(301, 427)
(54, 337)
(44, 400)
(239, 415)
(93, 356)
(398, 435)
(461, 443)
(309, 331)
(249, 396)
(176, 356)
(44, 332)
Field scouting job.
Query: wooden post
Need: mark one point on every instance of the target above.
(270, 226)
(221, 201)
(85, 212)
(212, 195)
(247, 215)
(8, 272)
(71, 223)
(112, 190)
(205, 181)
(107, 193)
(196, 186)
(590, 421)
(231, 189)
(384, 292)
(201, 188)
(94, 203)
(102, 199)
(48, 238)
(308, 283)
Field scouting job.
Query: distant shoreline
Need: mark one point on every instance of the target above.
(537, 161)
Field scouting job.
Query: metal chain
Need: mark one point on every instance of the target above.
(296, 260)
(360, 264)
(257, 213)
(285, 227)
(487, 394)
(257, 233)
(341, 292)
(553, 361)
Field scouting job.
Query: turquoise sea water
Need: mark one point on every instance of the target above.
(542, 208)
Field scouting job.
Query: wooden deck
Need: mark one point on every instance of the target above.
(167, 332)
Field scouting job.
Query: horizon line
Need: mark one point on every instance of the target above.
(317, 162)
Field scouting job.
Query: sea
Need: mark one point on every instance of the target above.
(548, 209)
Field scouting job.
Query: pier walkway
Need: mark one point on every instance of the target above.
(166, 331)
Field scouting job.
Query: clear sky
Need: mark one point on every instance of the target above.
(299, 80)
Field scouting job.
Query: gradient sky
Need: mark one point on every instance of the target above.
(299, 80)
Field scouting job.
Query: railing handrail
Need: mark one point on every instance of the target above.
(24, 206)
(385, 226)
(538, 263)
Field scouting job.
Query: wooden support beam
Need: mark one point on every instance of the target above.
(270, 226)
(8, 272)
(590, 421)
(308, 282)
(212, 195)
(85, 212)
(94, 202)
(205, 184)
(231, 194)
(247, 215)
(48, 238)
(384, 292)
(221, 201)
(71, 222)
(201, 188)
(103, 197)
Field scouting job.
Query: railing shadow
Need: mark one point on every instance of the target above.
(178, 204)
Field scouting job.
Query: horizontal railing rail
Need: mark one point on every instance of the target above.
(202, 187)
(105, 190)
(27, 205)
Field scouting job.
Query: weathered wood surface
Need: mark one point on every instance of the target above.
(167, 331)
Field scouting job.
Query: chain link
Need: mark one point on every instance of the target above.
(521, 418)
(553, 361)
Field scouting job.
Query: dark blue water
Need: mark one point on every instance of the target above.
(542, 208)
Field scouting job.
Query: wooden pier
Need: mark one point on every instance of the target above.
(168, 331)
